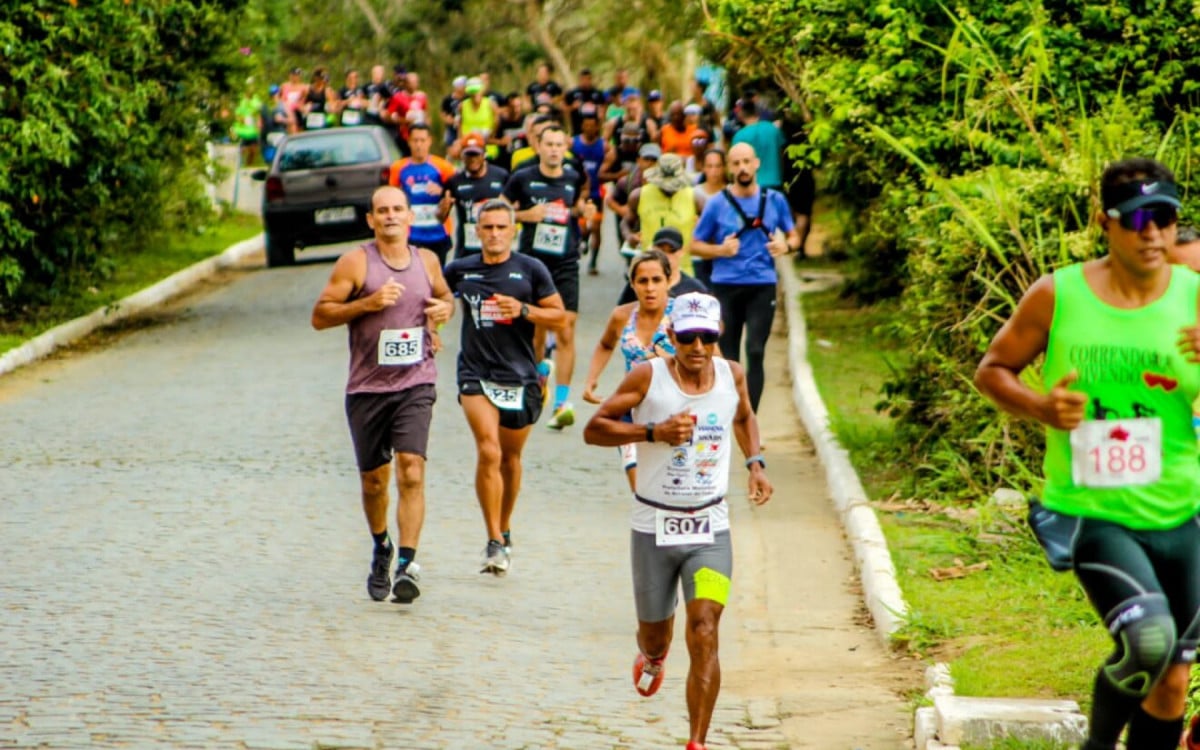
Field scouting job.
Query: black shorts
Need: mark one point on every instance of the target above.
(510, 419)
(566, 281)
(381, 423)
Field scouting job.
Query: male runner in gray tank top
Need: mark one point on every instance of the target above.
(391, 296)
(687, 408)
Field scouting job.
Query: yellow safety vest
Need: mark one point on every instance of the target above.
(657, 210)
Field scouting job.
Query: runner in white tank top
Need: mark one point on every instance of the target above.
(687, 409)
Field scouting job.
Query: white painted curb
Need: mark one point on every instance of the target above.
(880, 589)
(138, 302)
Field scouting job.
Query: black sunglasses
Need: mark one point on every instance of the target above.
(1140, 218)
(687, 338)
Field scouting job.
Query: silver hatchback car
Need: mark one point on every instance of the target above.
(318, 188)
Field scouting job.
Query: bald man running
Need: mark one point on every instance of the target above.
(390, 294)
(743, 229)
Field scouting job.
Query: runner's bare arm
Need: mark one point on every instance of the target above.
(440, 307)
(1016, 345)
(745, 430)
(709, 250)
(745, 424)
(606, 427)
(548, 311)
(630, 225)
(604, 351)
(652, 129)
(333, 307)
(531, 215)
(610, 171)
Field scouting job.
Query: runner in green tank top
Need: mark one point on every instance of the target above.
(1122, 467)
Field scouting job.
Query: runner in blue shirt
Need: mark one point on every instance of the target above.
(743, 229)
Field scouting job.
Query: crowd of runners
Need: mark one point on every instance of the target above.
(501, 223)
(505, 218)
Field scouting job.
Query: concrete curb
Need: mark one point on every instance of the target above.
(872, 558)
(136, 303)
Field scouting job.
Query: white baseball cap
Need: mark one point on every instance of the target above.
(696, 311)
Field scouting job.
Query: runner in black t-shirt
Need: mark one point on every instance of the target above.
(549, 198)
(544, 85)
(351, 101)
(511, 130)
(477, 182)
(504, 296)
(377, 94)
(584, 93)
(449, 110)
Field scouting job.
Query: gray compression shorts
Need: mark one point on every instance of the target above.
(704, 570)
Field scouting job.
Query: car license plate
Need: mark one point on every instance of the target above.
(338, 215)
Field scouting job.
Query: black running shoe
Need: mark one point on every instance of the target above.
(379, 583)
(405, 588)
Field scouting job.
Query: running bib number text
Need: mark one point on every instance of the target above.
(425, 215)
(550, 238)
(403, 346)
(506, 397)
(673, 528)
(471, 236)
(351, 117)
(314, 120)
(1117, 453)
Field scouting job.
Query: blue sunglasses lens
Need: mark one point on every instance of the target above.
(1140, 218)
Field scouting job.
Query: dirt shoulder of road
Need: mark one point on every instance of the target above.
(803, 635)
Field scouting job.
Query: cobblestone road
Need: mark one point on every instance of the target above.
(183, 556)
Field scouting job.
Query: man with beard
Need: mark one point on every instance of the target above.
(743, 229)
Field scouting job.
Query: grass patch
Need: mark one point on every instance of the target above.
(129, 271)
(1014, 628)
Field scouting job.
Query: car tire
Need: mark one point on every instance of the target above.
(281, 251)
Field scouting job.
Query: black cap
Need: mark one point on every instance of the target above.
(399, 70)
(669, 236)
(1127, 196)
(585, 72)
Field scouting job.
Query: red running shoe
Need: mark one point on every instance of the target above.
(648, 674)
(693, 745)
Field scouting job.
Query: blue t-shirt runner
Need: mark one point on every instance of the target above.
(761, 215)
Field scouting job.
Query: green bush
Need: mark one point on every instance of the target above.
(968, 140)
(101, 108)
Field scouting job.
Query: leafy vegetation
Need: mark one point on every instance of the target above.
(103, 112)
(1008, 625)
(968, 140)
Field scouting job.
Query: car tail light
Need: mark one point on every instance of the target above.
(385, 175)
(274, 189)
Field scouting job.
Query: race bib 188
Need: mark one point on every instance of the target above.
(1116, 452)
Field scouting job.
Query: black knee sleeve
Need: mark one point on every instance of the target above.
(1145, 634)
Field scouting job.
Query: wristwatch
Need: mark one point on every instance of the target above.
(524, 310)
(649, 432)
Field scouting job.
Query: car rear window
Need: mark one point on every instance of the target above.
(335, 149)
